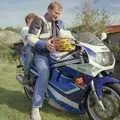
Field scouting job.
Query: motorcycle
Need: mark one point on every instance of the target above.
(81, 81)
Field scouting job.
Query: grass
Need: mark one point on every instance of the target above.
(14, 104)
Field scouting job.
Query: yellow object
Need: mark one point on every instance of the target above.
(63, 44)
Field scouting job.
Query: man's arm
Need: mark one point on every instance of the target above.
(34, 36)
(34, 33)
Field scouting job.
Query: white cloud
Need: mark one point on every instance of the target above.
(12, 12)
(115, 19)
(115, 5)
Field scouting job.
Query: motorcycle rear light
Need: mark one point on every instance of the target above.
(79, 81)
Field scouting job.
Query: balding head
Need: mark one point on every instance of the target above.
(55, 4)
(54, 10)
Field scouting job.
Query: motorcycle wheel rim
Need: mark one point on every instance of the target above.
(111, 102)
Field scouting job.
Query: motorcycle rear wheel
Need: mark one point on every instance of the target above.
(111, 101)
(28, 91)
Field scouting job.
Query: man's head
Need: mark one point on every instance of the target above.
(29, 18)
(54, 10)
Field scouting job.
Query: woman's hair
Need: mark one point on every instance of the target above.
(30, 16)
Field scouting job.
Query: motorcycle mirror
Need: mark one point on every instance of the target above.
(103, 36)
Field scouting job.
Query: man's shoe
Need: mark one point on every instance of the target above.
(35, 115)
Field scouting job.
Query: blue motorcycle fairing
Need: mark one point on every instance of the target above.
(101, 82)
(90, 52)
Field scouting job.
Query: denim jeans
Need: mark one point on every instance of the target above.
(27, 58)
(42, 67)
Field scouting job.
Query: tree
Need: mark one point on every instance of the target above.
(94, 21)
(17, 29)
(91, 20)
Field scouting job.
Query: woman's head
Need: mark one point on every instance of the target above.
(29, 18)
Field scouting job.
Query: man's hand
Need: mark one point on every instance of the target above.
(50, 44)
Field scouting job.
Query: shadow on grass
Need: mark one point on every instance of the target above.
(17, 100)
(14, 99)
(65, 115)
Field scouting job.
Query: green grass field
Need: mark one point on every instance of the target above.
(14, 104)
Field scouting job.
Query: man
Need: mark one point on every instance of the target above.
(41, 34)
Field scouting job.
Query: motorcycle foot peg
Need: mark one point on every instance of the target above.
(20, 78)
(19, 66)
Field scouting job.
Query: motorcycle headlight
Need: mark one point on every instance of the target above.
(104, 58)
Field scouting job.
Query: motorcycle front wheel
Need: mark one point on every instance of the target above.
(111, 102)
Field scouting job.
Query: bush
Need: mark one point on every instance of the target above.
(17, 30)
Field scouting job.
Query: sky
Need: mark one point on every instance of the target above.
(13, 12)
